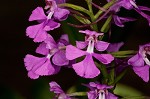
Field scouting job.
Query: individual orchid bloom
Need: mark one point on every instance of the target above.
(47, 22)
(58, 13)
(119, 21)
(87, 67)
(131, 4)
(42, 66)
(100, 91)
(60, 94)
(39, 32)
(141, 63)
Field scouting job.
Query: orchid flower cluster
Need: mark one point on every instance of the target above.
(91, 58)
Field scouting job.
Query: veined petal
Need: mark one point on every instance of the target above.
(117, 21)
(142, 72)
(81, 45)
(104, 58)
(32, 75)
(36, 32)
(86, 68)
(50, 42)
(136, 60)
(64, 37)
(61, 14)
(51, 25)
(101, 45)
(45, 69)
(55, 87)
(60, 59)
(73, 52)
(37, 14)
(30, 61)
(92, 95)
(41, 49)
(144, 8)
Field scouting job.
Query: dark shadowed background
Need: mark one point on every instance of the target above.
(14, 83)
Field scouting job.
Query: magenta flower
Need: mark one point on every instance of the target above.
(99, 91)
(141, 63)
(60, 94)
(119, 21)
(42, 66)
(87, 68)
(47, 23)
(131, 4)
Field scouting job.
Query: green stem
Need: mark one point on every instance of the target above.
(104, 72)
(92, 15)
(105, 27)
(78, 94)
(119, 77)
(106, 6)
(75, 7)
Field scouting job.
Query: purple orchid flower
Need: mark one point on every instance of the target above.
(47, 23)
(60, 94)
(119, 21)
(141, 63)
(99, 91)
(131, 4)
(87, 68)
(42, 66)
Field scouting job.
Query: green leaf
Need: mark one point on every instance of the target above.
(106, 25)
(128, 92)
(106, 6)
(123, 53)
(75, 7)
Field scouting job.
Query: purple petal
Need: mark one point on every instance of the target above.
(86, 68)
(144, 15)
(64, 37)
(117, 21)
(81, 45)
(41, 49)
(32, 75)
(60, 1)
(111, 96)
(50, 42)
(144, 8)
(51, 25)
(142, 72)
(136, 60)
(30, 61)
(101, 45)
(55, 87)
(36, 32)
(61, 14)
(126, 19)
(60, 59)
(73, 52)
(92, 95)
(114, 47)
(91, 33)
(45, 69)
(104, 58)
(37, 14)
